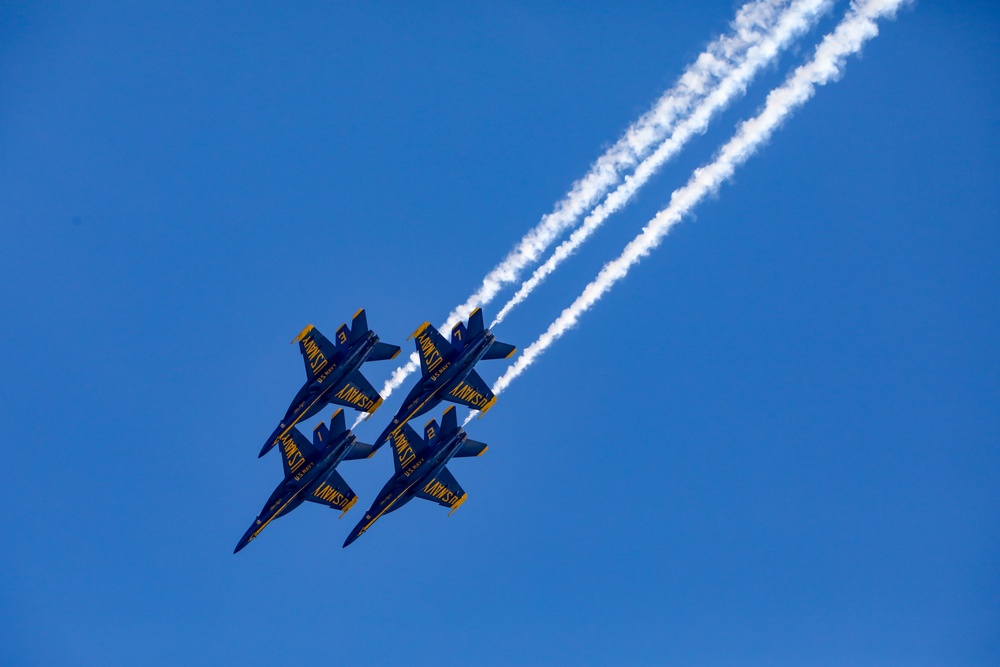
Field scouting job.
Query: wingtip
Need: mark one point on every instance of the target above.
(458, 504)
(419, 330)
(378, 404)
(348, 506)
(302, 334)
(512, 353)
(482, 452)
(487, 407)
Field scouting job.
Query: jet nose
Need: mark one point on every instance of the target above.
(355, 534)
(245, 540)
(247, 536)
(271, 440)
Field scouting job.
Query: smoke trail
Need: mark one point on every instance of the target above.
(855, 29)
(792, 24)
(753, 23)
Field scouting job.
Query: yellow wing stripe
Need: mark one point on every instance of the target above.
(302, 334)
(487, 407)
(419, 330)
(348, 506)
(458, 504)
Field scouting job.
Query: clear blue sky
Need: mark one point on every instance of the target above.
(775, 443)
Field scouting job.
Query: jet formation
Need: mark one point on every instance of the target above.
(333, 375)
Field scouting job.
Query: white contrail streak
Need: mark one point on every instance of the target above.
(858, 26)
(753, 23)
(795, 21)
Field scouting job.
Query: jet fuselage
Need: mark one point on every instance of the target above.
(293, 490)
(430, 390)
(312, 397)
(403, 486)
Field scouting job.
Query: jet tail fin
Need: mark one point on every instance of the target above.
(449, 420)
(338, 424)
(343, 336)
(459, 334)
(476, 324)
(431, 430)
(359, 327)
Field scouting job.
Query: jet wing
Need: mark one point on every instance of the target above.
(432, 348)
(317, 351)
(443, 490)
(333, 492)
(357, 393)
(472, 392)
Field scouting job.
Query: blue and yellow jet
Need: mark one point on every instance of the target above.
(420, 469)
(310, 473)
(333, 373)
(447, 370)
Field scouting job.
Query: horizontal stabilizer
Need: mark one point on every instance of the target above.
(434, 351)
(444, 489)
(359, 327)
(334, 492)
(358, 393)
(383, 351)
(499, 350)
(472, 392)
(471, 448)
(359, 450)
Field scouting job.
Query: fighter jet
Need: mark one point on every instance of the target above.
(310, 473)
(420, 469)
(447, 370)
(332, 373)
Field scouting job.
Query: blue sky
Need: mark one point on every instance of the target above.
(775, 442)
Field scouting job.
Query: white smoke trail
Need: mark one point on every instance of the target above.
(855, 29)
(753, 23)
(795, 21)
